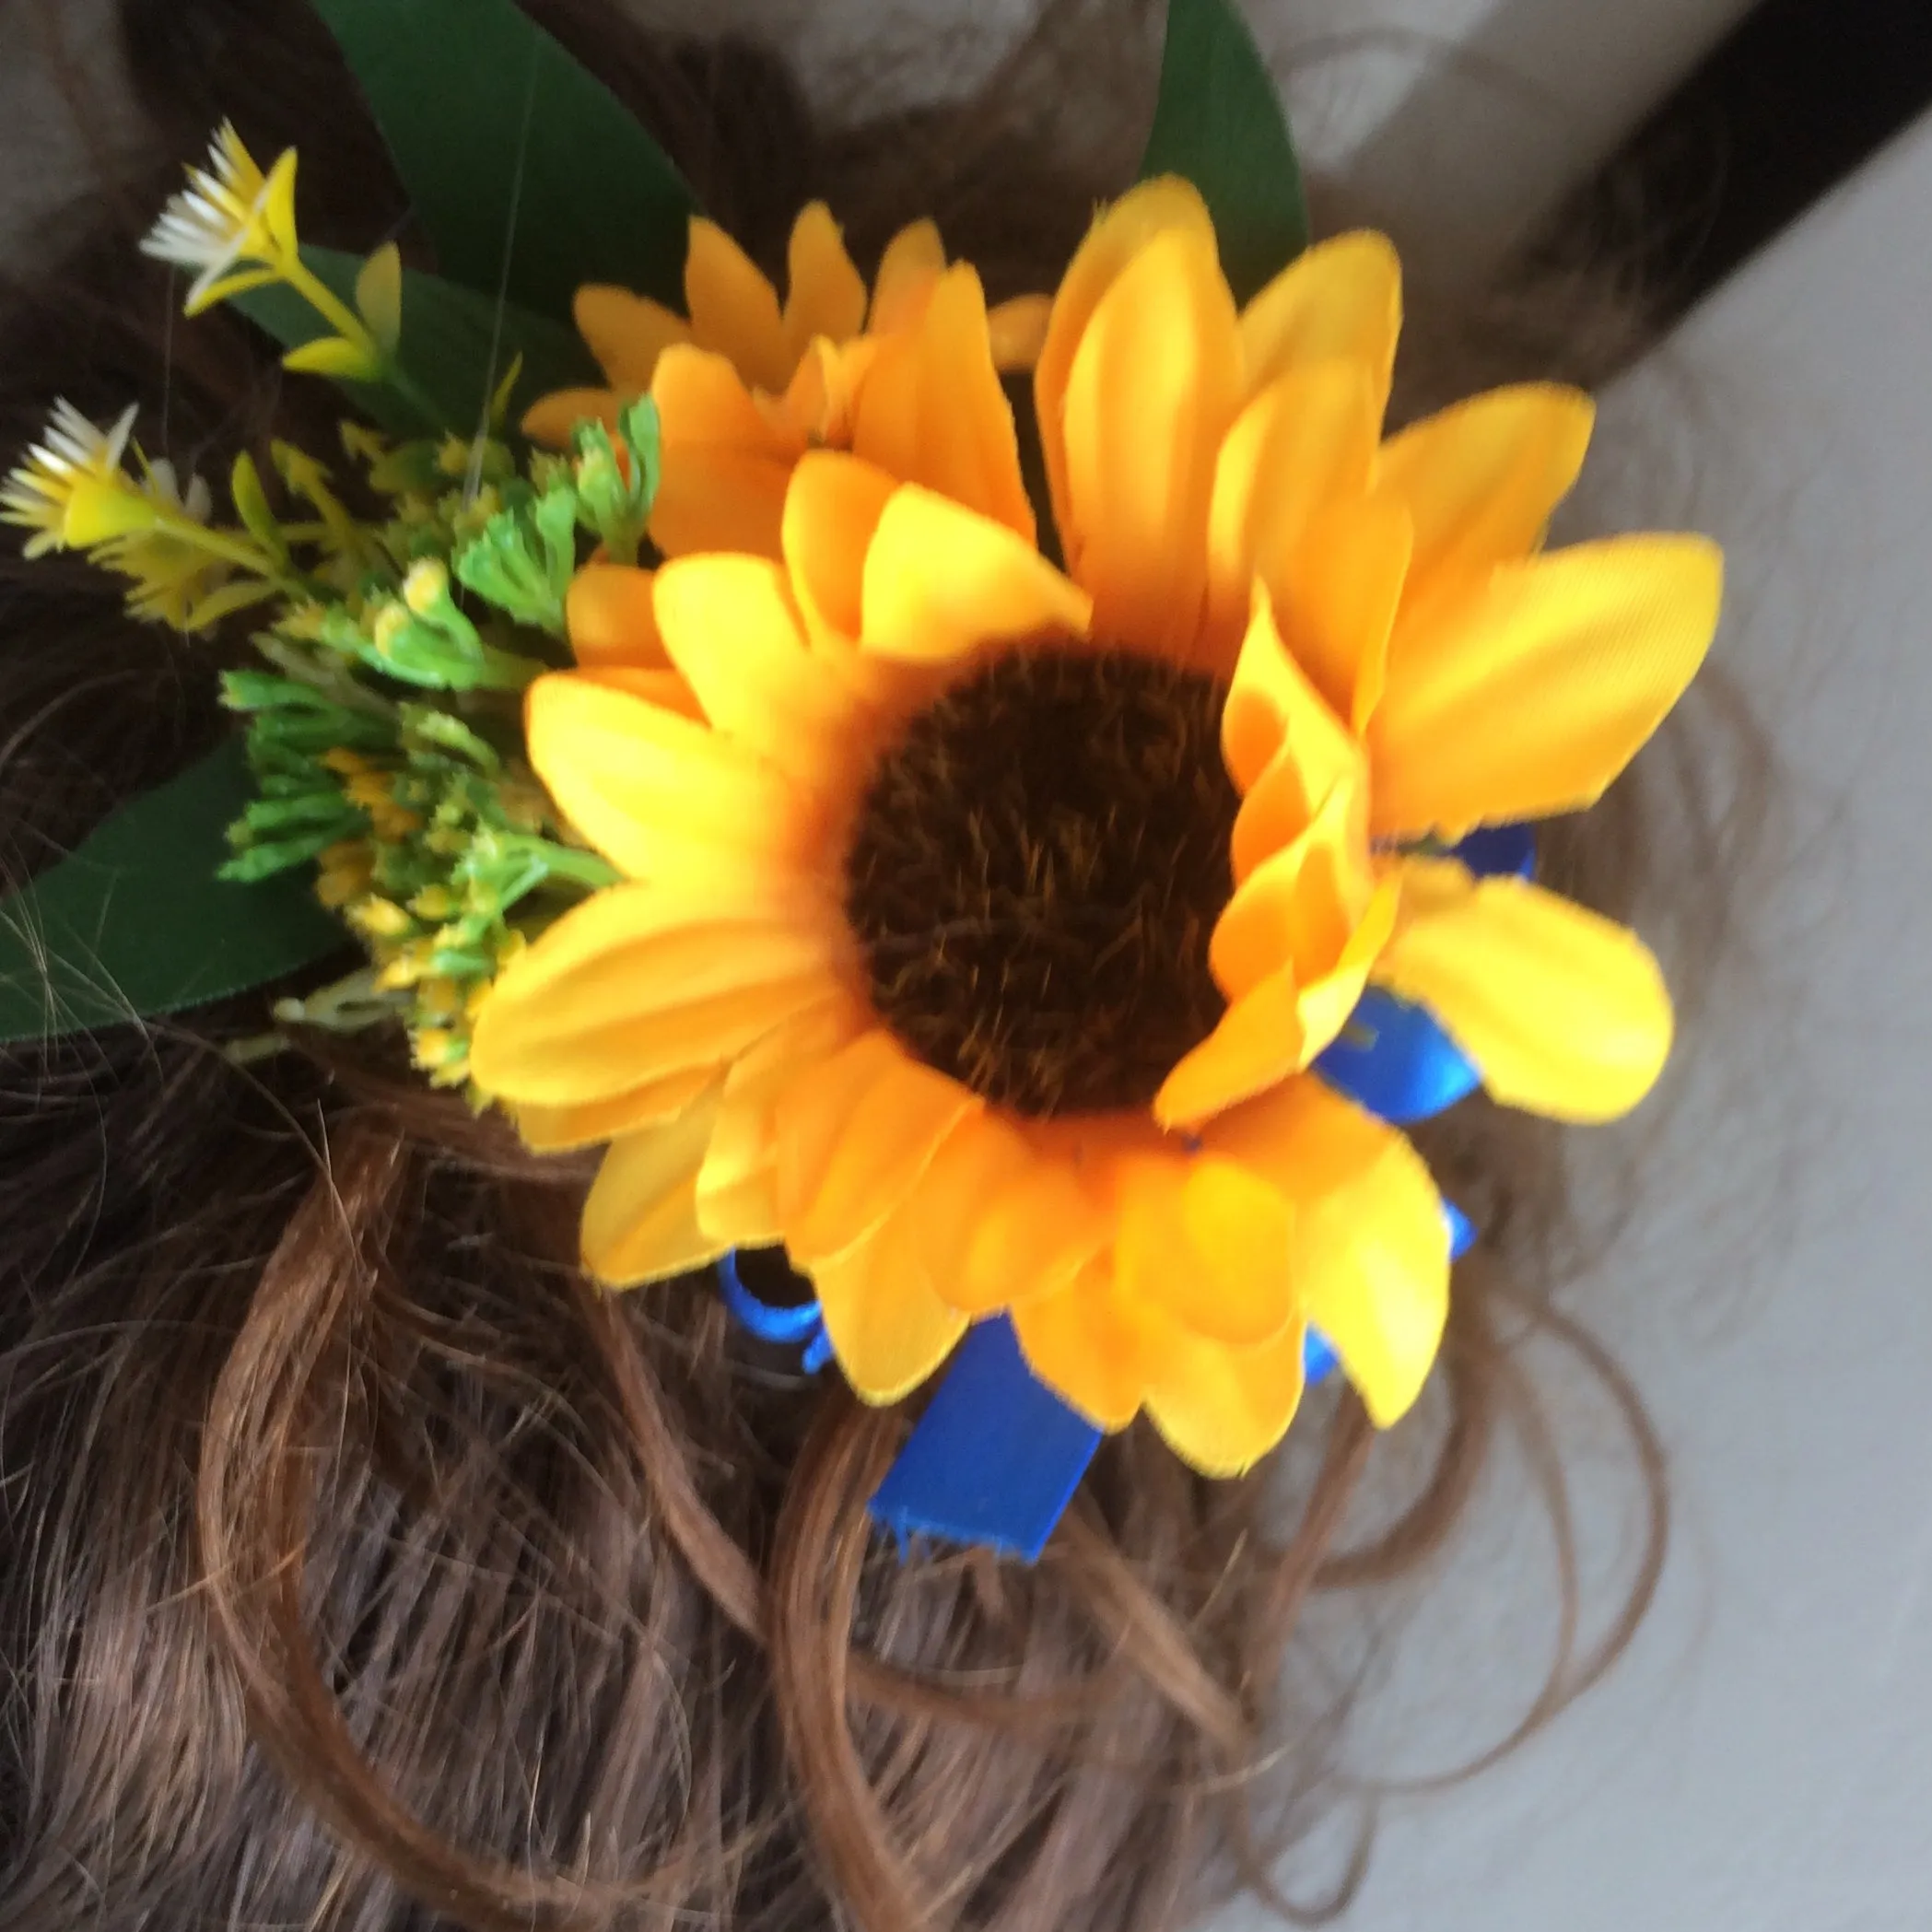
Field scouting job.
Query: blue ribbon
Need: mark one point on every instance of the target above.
(1392, 1057)
(786, 1324)
(997, 1455)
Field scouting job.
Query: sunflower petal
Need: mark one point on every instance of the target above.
(941, 581)
(1481, 478)
(726, 464)
(831, 512)
(1340, 300)
(1256, 1044)
(1206, 1242)
(1296, 908)
(639, 983)
(719, 499)
(852, 1144)
(1090, 1346)
(930, 409)
(1221, 1409)
(1324, 1000)
(1305, 441)
(826, 294)
(908, 272)
(1371, 1243)
(639, 1222)
(654, 791)
(1271, 703)
(704, 403)
(1036, 1227)
(822, 397)
(888, 1329)
(731, 627)
(610, 619)
(1338, 610)
(981, 1157)
(735, 310)
(1563, 1013)
(1241, 1227)
(551, 420)
(559, 1130)
(1018, 328)
(626, 333)
(1530, 694)
(665, 689)
(1115, 240)
(743, 1152)
(1156, 371)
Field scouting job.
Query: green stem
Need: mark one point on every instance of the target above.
(566, 861)
(507, 671)
(347, 323)
(328, 304)
(242, 552)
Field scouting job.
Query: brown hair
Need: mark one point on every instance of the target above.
(360, 1565)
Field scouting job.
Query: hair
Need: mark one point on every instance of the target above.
(361, 1565)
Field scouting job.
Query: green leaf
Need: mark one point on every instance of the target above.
(378, 295)
(456, 345)
(250, 503)
(1220, 123)
(494, 127)
(334, 356)
(135, 923)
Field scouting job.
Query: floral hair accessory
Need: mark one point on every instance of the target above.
(1035, 915)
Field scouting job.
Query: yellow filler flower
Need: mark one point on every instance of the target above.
(232, 224)
(982, 921)
(745, 387)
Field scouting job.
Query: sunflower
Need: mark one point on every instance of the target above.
(982, 921)
(745, 386)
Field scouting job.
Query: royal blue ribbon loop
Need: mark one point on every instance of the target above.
(788, 1324)
(1392, 1058)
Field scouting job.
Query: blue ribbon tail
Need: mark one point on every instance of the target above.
(996, 1457)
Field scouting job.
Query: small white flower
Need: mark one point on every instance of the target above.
(164, 481)
(38, 492)
(230, 216)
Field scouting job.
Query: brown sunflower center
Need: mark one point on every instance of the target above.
(1037, 867)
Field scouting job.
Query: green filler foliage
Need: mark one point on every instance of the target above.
(527, 174)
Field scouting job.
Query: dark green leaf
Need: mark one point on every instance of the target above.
(493, 126)
(135, 923)
(1220, 123)
(456, 346)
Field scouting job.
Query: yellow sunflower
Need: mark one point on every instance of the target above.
(983, 921)
(745, 387)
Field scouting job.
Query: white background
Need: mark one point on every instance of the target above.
(1762, 1760)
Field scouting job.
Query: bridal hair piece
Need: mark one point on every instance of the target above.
(962, 804)
(1025, 865)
